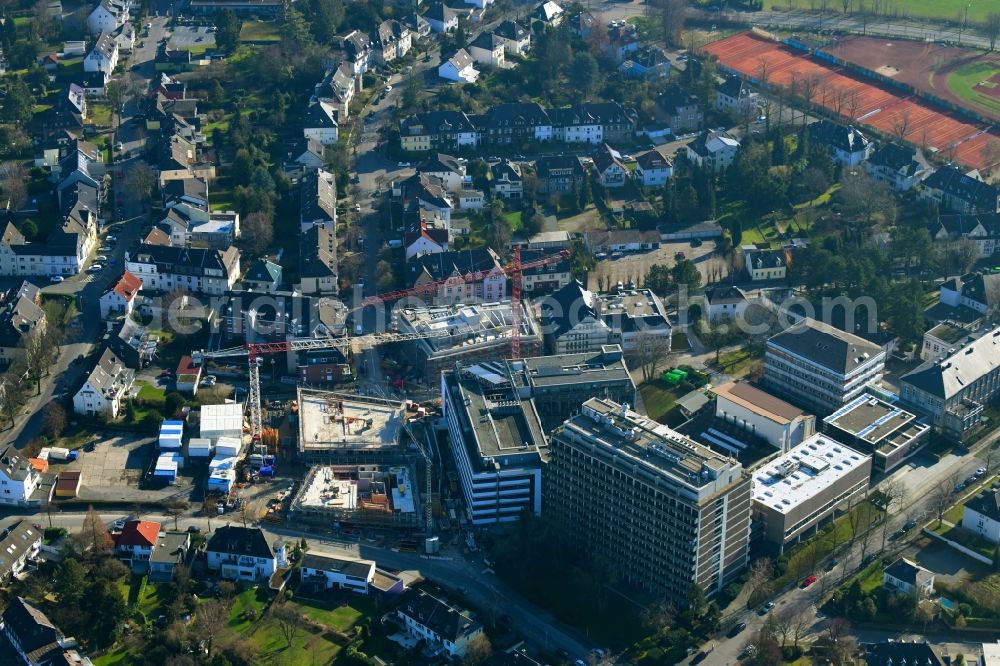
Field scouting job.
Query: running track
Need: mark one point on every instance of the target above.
(860, 100)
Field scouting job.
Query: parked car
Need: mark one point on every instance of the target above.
(807, 581)
(101, 257)
(679, 256)
(104, 248)
(766, 608)
(697, 242)
(980, 471)
(57, 278)
(700, 657)
(737, 628)
(194, 529)
(95, 268)
(111, 238)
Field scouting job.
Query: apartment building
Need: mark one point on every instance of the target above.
(887, 432)
(497, 442)
(819, 367)
(663, 510)
(952, 389)
(326, 572)
(197, 270)
(18, 477)
(794, 494)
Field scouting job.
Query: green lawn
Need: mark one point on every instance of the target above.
(658, 397)
(736, 362)
(341, 616)
(810, 553)
(99, 114)
(963, 81)
(151, 394)
(513, 219)
(951, 10)
(118, 656)
(260, 31)
(246, 600)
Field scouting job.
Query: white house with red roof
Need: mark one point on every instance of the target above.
(425, 241)
(119, 299)
(136, 541)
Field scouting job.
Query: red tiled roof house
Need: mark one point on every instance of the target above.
(137, 540)
(120, 295)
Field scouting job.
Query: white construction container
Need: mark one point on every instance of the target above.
(222, 480)
(222, 462)
(222, 421)
(199, 447)
(170, 442)
(228, 446)
(58, 453)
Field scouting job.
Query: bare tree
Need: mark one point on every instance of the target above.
(942, 496)
(760, 580)
(211, 622)
(139, 182)
(894, 494)
(853, 105)
(993, 28)
(783, 622)
(288, 622)
(93, 535)
(658, 617)
(650, 349)
(901, 123)
(478, 651)
(257, 233)
(175, 509)
(14, 183)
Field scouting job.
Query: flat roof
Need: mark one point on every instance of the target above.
(802, 473)
(870, 418)
(222, 418)
(331, 420)
(499, 424)
(654, 446)
(631, 303)
(583, 368)
(379, 488)
(461, 327)
(950, 332)
(759, 402)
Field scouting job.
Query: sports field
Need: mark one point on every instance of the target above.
(860, 100)
(951, 10)
(965, 77)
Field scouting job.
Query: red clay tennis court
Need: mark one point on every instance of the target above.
(855, 98)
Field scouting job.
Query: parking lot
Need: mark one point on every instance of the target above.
(187, 37)
(112, 469)
(634, 266)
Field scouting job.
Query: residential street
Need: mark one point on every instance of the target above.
(482, 590)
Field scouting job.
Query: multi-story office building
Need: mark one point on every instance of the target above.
(497, 441)
(795, 493)
(952, 389)
(666, 511)
(869, 424)
(560, 384)
(819, 367)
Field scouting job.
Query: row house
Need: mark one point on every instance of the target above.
(514, 123)
(438, 130)
(318, 261)
(679, 109)
(427, 193)
(961, 192)
(20, 542)
(318, 194)
(465, 276)
(592, 122)
(263, 276)
(982, 229)
(195, 270)
(979, 291)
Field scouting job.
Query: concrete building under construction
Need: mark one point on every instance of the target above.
(364, 495)
(337, 427)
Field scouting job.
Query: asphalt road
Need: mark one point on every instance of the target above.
(451, 571)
